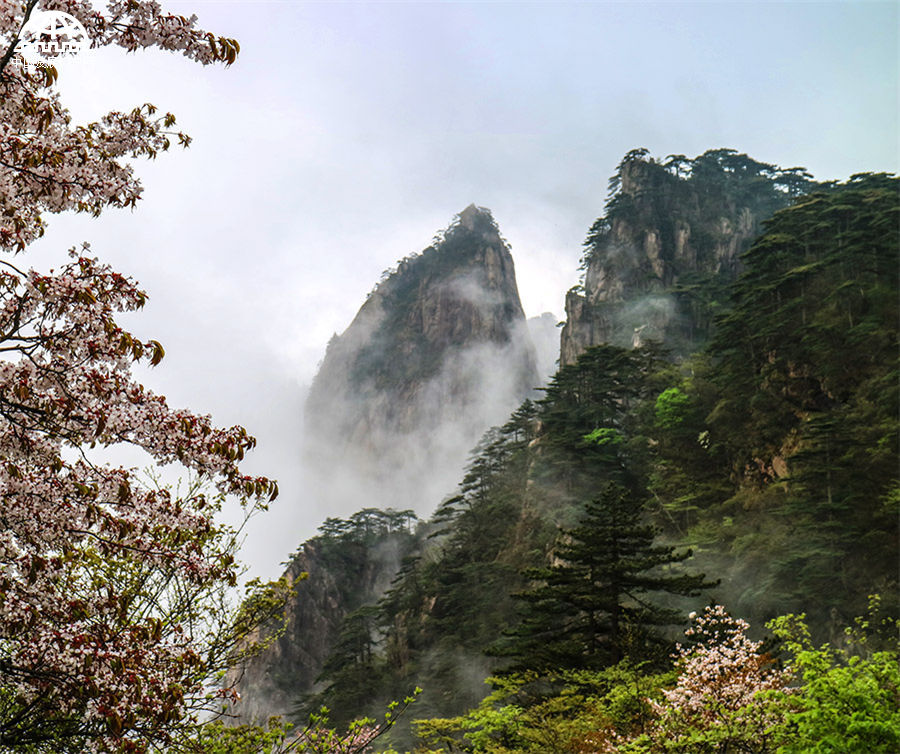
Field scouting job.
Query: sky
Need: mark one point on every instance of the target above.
(348, 133)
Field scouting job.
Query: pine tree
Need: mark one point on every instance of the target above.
(352, 672)
(807, 377)
(591, 432)
(592, 606)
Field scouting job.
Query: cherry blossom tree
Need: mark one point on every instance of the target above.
(720, 700)
(110, 590)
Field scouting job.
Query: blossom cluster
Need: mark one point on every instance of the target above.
(720, 696)
(47, 164)
(68, 633)
(98, 625)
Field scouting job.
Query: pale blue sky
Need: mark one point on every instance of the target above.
(348, 133)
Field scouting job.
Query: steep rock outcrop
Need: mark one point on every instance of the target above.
(659, 261)
(267, 683)
(437, 353)
(350, 564)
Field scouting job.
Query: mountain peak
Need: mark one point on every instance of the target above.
(440, 348)
(470, 216)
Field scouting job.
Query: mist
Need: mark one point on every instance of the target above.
(404, 444)
(346, 133)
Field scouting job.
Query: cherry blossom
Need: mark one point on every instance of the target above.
(719, 701)
(47, 164)
(104, 638)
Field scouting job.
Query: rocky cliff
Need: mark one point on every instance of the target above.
(348, 565)
(659, 261)
(438, 352)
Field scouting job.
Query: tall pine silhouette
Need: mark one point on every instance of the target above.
(595, 604)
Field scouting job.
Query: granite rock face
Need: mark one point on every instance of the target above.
(438, 353)
(663, 255)
(338, 580)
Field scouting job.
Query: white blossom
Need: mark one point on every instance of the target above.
(75, 639)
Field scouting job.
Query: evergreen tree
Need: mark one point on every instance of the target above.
(592, 607)
(352, 670)
(808, 401)
(592, 431)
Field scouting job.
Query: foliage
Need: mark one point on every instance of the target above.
(604, 436)
(451, 600)
(113, 609)
(560, 711)
(807, 404)
(593, 605)
(670, 407)
(595, 428)
(280, 737)
(846, 701)
(731, 696)
(725, 694)
(462, 573)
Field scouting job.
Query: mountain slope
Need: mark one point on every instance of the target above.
(438, 352)
(768, 444)
(790, 514)
(658, 262)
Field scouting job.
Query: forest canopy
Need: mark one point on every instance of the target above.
(765, 459)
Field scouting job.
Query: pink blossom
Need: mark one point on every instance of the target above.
(720, 695)
(77, 638)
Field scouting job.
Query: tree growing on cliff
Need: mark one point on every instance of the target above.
(592, 607)
(107, 631)
(806, 377)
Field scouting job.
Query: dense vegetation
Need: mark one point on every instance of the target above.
(807, 386)
(671, 238)
(771, 452)
(724, 694)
